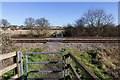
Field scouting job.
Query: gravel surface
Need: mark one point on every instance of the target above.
(56, 46)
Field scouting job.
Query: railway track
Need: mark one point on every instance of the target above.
(66, 40)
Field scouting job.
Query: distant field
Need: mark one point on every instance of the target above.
(18, 32)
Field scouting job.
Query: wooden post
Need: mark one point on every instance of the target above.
(15, 61)
(66, 61)
(20, 65)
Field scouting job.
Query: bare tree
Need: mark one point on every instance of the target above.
(97, 17)
(80, 23)
(4, 23)
(42, 24)
(30, 22)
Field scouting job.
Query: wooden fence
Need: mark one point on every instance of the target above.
(82, 67)
(16, 66)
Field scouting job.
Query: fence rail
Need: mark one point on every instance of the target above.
(7, 55)
(16, 66)
(83, 69)
(44, 71)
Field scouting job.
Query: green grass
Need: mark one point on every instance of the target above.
(90, 60)
(33, 58)
(8, 75)
(41, 58)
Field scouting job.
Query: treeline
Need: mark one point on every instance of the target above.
(40, 23)
(94, 23)
(103, 31)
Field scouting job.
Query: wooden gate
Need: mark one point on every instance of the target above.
(17, 65)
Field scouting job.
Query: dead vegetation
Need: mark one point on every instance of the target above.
(110, 57)
(7, 47)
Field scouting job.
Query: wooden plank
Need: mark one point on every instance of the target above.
(85, 71)
(8, 69)
(7, 55)
(77, 77)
